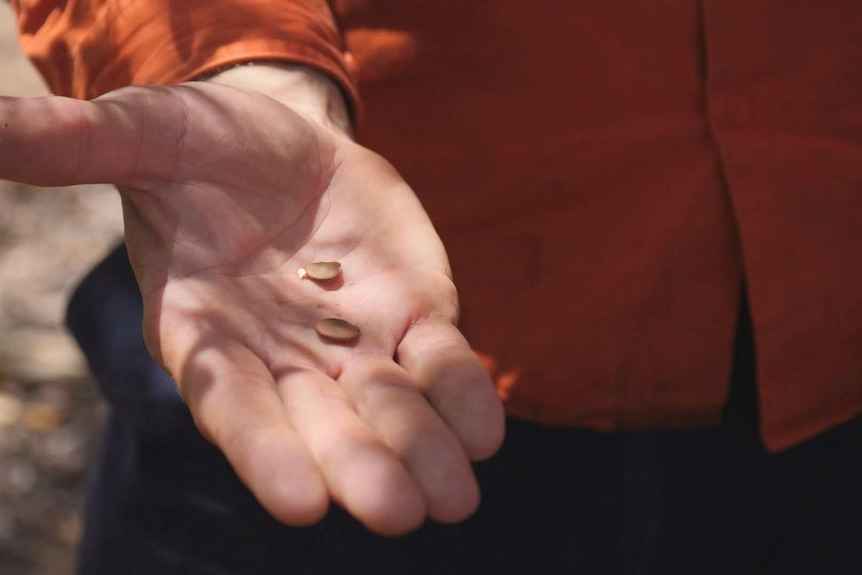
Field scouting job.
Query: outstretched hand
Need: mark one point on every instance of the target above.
(227, 193)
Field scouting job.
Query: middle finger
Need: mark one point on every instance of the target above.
(362, 473)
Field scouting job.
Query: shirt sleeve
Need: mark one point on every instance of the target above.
(85, 48)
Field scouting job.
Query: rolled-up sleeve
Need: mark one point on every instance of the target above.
(85, 48)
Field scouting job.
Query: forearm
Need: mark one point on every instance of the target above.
(305, 90)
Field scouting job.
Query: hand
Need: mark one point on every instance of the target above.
(226, 194)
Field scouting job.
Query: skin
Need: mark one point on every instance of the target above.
(229, 187)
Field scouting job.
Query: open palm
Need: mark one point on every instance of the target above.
(227, 194)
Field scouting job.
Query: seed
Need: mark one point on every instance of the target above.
(336, 329)
(320, 271)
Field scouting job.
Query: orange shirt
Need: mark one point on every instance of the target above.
(604, 174)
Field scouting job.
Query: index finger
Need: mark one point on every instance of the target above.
(235, 404)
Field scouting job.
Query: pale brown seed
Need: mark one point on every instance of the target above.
(321, 271)
(336, 329)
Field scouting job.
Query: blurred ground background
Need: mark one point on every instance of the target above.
(49, 411)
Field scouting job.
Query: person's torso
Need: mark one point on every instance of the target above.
(604, 173)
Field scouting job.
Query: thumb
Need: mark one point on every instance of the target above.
(120, 138)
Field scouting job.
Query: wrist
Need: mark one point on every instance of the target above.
(304, 90)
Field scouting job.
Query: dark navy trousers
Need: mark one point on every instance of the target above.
(163, 501)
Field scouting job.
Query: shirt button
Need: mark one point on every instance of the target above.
(350, 63)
